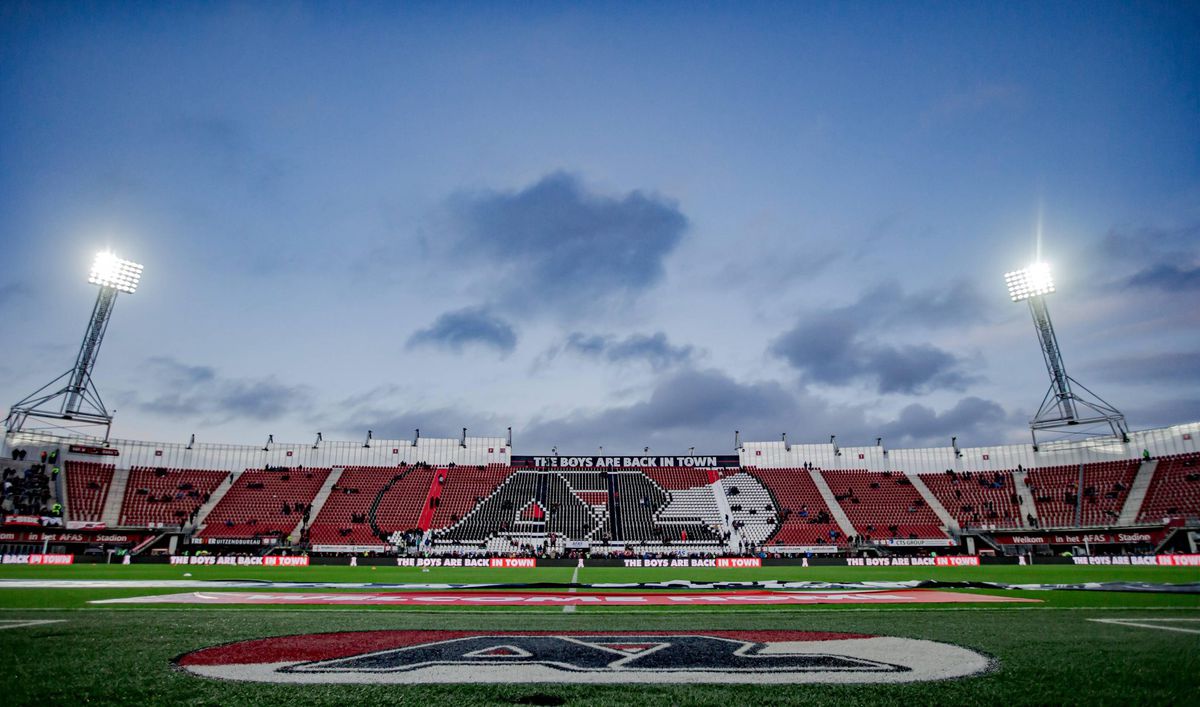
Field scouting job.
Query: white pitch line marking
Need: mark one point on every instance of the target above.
(570, 608)
(1144, 623)
(14, 623)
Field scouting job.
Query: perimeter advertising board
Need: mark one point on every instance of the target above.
(1130, 537)
(493, 562)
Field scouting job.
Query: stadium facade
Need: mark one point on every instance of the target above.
(477, 495)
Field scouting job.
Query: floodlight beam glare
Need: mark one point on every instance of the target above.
(1029, 282)
(110, 271)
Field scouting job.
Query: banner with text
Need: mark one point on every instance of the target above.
(37, 559)
(1130, 537)
(948, 561)
(269, 561)
(723, 562)
(1159, 560)
(493, 562)
(625, 462)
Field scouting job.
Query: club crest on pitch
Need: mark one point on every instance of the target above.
(412, 657)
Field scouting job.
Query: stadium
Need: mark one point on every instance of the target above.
(432, 569)
(600, 353)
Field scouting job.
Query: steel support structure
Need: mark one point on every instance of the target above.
(1068, 407)
(71, 401)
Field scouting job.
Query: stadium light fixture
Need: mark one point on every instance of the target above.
(110, 271)
(1032, 281)
(1061, 407)
(77, 403)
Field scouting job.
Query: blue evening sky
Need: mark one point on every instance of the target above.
(618, 224)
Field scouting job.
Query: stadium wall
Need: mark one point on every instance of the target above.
(233, 457)
(1178, 439)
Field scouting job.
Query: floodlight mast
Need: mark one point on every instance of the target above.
(77, 404)
(1063, 408)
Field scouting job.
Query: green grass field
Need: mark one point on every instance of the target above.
(1051, 652)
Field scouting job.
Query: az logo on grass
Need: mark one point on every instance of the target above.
(584, 657)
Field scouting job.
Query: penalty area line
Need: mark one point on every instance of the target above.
(1144, 623)
(18, 623)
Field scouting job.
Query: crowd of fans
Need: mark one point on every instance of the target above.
(26, 486)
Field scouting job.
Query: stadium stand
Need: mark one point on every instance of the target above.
(626, 506)
(1174, 492)
(978, 498)
(400, 502)
(156, 496)
(883, 505)
(464, 488)
(1105, 487)
(87, 489)
(345, 517)
(26, 489)
(260, 503)
(803, 517)
(495, 513)
(638, 507)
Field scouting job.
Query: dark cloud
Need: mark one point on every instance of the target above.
(973, 420)
(838, 346)
(888, 305)
(444, 422)
(653, 349)
(187, 391)
(1151, 241)
(555, 245)
(465, 327)
(688, 408)
(1170, 411)
(1179, 367)
(227, 148)
(1170, 277)
(1166, 259)
(14, 292)
(703, 408)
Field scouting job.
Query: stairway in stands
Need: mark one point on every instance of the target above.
(319, 500)
(1137, 492)
(934, 504)
(1028, 507)
(835, 508)
(614, 508)
(213, 500)
(111, 515)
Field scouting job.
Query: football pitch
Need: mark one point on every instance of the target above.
(1066, 646)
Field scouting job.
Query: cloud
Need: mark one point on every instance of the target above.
(688, 408)
(703, 407)
(227, 148)
(1176, 367)
(466, 327)
(443, 422)
(1166, 259)
(971, 417)
(1170, 277)
(14, 292)
(653, 349)
(557, 246)
(1162, 413)
(836, 347)
(189, 391)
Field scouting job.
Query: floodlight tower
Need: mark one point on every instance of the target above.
(77, 403)
(1068, 405)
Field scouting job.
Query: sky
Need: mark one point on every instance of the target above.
(602, 224)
